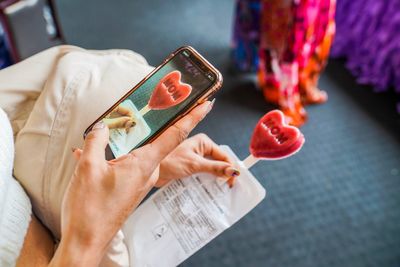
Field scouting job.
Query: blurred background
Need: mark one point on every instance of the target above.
(336, 202)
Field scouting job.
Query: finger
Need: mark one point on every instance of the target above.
(96, 142)
(210, 149)
(231, 182)
(217, 168)
(125, 111)
(174, 135)
(119, 122)
(77, 152)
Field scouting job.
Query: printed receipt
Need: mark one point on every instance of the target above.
(189, 207)
(185, 215)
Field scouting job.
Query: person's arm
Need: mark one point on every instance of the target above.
(73, 251)
(38, 247)
(101, 194)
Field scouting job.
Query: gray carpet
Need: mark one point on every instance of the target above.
(336, 203)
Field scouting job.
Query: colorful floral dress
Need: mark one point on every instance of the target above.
(292, 39)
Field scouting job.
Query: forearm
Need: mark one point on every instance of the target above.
(72, 252)
(38, 248)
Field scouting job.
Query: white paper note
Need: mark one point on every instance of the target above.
(185, 215)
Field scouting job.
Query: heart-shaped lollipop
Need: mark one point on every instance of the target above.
(273, 139)
(169, 92)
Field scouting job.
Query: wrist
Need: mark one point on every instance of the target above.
(161, 173)
(75, 252)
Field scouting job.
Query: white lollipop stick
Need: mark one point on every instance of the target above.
(250, 161)
(144, 110)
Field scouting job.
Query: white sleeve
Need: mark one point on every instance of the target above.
(15, 206)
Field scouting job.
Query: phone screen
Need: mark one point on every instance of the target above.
(164, 95)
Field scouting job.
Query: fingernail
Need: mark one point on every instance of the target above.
(232, 172)
(231, 182)
(211, 105)
(98, 125)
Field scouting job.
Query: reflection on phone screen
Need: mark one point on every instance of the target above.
(156, 102)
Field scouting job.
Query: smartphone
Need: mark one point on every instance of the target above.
(184, 80)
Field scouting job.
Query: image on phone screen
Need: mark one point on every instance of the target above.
(156, 102)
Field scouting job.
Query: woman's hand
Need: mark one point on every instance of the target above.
(197, 154)
(120, 117)
(102, 193)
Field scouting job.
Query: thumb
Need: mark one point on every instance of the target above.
(96, 142)
(217, 168)
(174, 135)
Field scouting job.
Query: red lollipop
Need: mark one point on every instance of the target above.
(169, 92)
(273, 139)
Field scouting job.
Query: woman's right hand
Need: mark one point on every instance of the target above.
(102, 194)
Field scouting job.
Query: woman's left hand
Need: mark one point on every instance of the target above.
(197, 154)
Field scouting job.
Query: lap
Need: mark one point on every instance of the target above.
(80, 86)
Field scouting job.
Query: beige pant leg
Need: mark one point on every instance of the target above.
(51, 100)
(22, 83)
